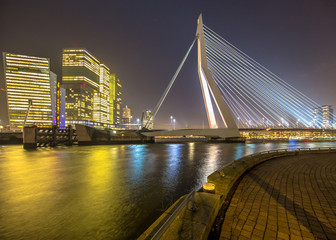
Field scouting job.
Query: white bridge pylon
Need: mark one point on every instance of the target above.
(209, 85)
(209, 89)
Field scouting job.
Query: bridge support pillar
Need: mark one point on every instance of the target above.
(30, 137)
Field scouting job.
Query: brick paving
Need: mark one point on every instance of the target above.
(290, 197)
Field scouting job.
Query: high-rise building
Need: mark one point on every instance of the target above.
(126, 117)
(53, 92)
(61, 110)
(323, 116)
(93, 94)
(118, 102)
(101, 101)
(80, 80)
(317, 117)
(27, 86)
(327, 116)
(112, 82)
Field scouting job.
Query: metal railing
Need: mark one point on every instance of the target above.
(162, 229)
(256, 156)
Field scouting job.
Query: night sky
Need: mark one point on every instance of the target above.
(143, 42)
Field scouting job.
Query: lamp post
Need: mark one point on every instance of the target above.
(174, 122)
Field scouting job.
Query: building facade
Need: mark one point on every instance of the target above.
(327, 116)
(323, 117)
(101, 100)
(126, 117)
(93, 94)
(317, 117)
(118, 102)
(80, 80)
(112, 82)
(28, 87)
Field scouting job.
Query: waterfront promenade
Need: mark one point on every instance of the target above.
(290, 197)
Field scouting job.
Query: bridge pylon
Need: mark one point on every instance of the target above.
(209, 85)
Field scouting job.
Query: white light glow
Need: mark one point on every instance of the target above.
(209, 107)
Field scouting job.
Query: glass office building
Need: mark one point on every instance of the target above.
(27, 80)
(102, 98)
(87, 84)
(80, 79)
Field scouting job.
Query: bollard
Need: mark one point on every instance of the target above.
(30, 137)
(209, 187)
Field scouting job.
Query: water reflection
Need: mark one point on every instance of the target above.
(191, 151)
(105, 192)
(213, 153)
(173, 164)
(138, 154)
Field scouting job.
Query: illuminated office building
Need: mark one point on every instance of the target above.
(317, 117)
(327, 116)
(112, 97)
(27, 79)
(117, 102)
(126, 117)
(323, 117)
(101, 101)
(81, 80)
(53, 92)
(93, 94)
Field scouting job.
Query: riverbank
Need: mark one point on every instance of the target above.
(291, 197)
(226, 181)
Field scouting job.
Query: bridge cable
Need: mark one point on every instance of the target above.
(164, 95)
(253, 92)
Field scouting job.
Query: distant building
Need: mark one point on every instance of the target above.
(126, 117)
(147, 120)
(101, 100)
(317, 117)
(53, 92)
(88, 86)
(117, 102)
(323, 117)
(62, 108)
(27, 79)
(80, 80)
(112, 81)
(327, 116)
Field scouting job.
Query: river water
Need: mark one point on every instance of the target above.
(105, 192)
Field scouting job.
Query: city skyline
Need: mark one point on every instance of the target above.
(144, 43)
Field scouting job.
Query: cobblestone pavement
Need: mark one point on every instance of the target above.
(290, 197)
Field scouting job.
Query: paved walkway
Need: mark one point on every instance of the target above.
(290, 197)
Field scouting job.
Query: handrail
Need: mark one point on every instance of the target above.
(158, 234)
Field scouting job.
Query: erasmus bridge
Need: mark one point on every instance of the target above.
(245, 93)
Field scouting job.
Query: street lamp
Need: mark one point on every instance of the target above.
(174, 122)
(138, 123)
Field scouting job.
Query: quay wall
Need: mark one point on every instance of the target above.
(195, 215)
